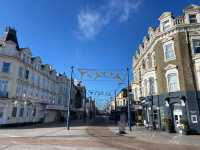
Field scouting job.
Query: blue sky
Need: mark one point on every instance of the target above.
(100, 34)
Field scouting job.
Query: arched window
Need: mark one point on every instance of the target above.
(153, 58)
(172, 80)
(143, 64)
(151, 86)
(149, 61)
(145, 89)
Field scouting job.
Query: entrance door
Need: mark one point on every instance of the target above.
(177, 119)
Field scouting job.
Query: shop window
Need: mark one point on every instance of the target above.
(14, 112)
(21, 112)
(1, 112)
(34, 112)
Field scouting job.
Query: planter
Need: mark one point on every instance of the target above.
(168, 124)
(184, 127)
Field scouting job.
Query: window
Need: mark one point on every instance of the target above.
(33, 78)
(1, 112)
(14, 112)
(3, 88)
(169, 51)
(172, 82)
(21, 112)
(143, 64)
(20, 72)
(151, 86)
(153, 57)
(34, 112)
(193, 18)
(145, 88)
(149, 61)
(59, 100)
(196, 45)
(124, 102)
(27, 74)
(6, 67)
(166, 25)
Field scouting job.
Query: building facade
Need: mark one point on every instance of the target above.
(166, 71)
(29, 90)
(119, 105)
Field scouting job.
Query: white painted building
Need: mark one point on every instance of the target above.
(29, 90)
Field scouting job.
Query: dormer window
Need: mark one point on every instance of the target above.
(166, 25)
(193, 18)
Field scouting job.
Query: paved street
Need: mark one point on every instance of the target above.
(95, 136)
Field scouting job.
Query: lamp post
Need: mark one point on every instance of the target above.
(129, 109)
(115, 108)
(69, 100)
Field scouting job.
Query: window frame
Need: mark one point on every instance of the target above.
(173, 49)
(1, 112)
(172, 71)
(166, 25)
(7, 67)
(14, 113)
(193, 18)
(27, 74)
(21, 112)
(193, 46)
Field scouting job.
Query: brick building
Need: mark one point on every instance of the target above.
(166, 70)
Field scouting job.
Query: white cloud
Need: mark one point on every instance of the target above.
(91, 22)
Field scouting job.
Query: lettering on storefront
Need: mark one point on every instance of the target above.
(193, 111)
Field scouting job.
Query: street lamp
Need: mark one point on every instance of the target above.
(69, 100)
(129, 109)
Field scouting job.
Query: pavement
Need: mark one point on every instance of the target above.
(160, 137)
(98, 135)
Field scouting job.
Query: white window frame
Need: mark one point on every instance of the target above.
(153, 59)
(193, 18)
(193, 44)
(166, 25)
(9, 68)
(197, 67)
(164, 50)
(172, 71)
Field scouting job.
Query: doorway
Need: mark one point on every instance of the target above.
(177, 116)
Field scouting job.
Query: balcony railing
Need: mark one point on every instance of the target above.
(179, 21)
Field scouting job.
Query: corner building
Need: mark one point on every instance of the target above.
(167, 73)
